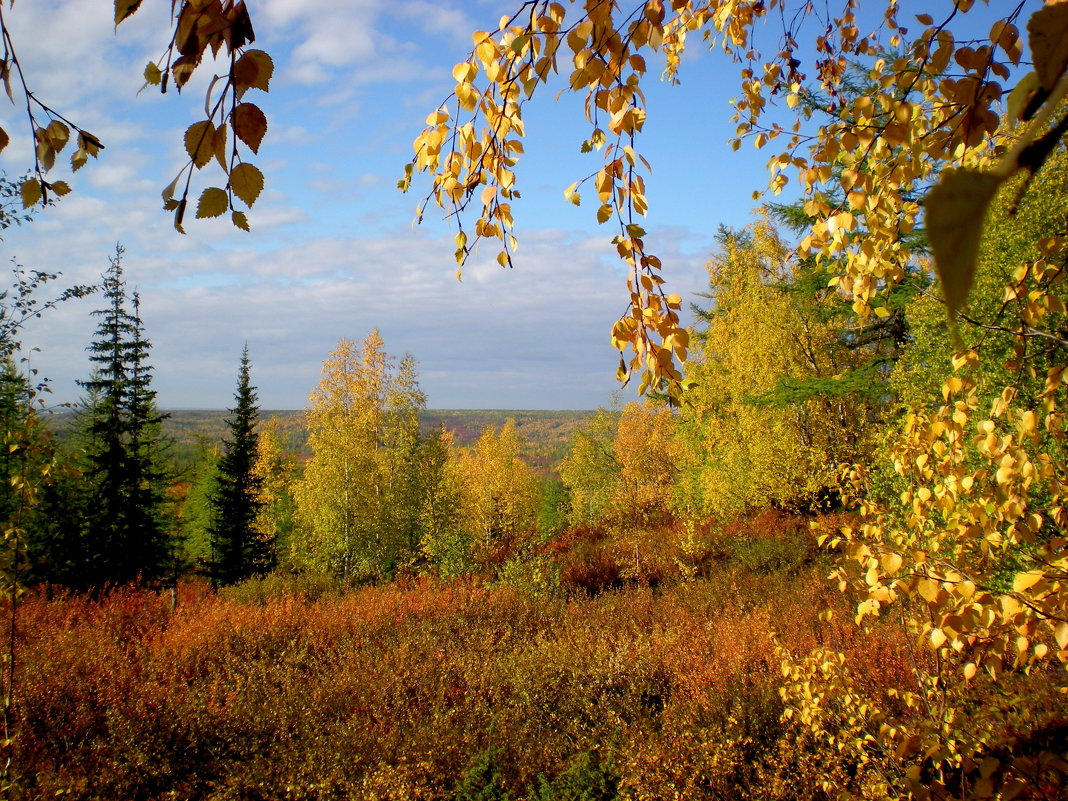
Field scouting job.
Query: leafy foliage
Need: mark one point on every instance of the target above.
(364, 432)
(199, 27)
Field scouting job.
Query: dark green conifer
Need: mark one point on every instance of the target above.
(238, 549)
(127, 523)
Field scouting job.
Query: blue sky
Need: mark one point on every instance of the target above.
(333, 252)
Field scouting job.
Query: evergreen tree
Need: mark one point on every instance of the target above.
(237, 550)
(127, 534)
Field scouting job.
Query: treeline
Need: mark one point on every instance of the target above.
(785, 385)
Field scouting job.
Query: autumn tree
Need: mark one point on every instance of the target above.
(590, 470)
(439, 486)
(363, 427)
(498, 498)
(276, 473)
(237, 551)
(769, 418)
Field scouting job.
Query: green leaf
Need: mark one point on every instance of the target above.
(213, 202)
(956, 209)
(240, 219)
(30, 189)
(1047, 32)
(200, 142)
(247, 183)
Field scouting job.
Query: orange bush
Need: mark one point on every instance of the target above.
(420, 691)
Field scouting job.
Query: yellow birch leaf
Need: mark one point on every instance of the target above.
(240, 220)
(1024, 581)
(247, 182)
(61, 188)
(1047, 33)
(1061, 635)
(956, 208)
(200, 142)
(30, 189)
(4, 139)
(253, 70)
(57, 134)
(891, 563)
(219, 146)
(213, 202)
(464, 72)
(153, 75)
(1021, 95)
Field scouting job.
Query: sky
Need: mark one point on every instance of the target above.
(333, 252)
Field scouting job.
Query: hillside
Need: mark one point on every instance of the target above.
(544, 433)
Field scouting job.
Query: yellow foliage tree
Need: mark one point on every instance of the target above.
(363, 425)
(590, 470)
(276, 474)
(499, 496)
(644, 449)
(746, 447)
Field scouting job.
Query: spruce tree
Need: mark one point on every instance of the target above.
(127, 526)
(238, 549)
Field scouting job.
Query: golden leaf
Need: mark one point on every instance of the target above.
(891, 562)
(219, 146)
(240, 220)
(57, 134)
(4, 139)
(30, 189)
(1047, 32)
(1061, 635)
(1025, 581)
(247, 182)
(213, 203)
(956, 208)
(200, 142)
